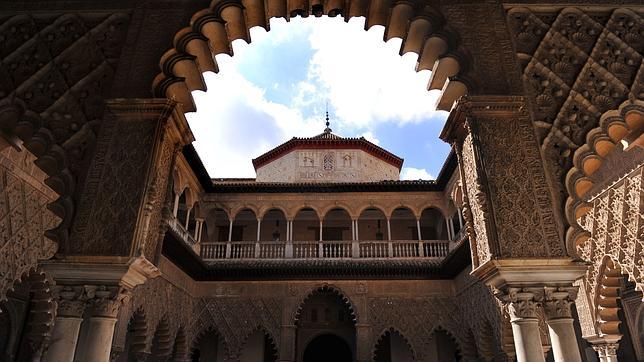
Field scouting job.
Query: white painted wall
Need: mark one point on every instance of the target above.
(349, 165)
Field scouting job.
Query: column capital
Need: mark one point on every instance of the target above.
(521, 303)
(606, 350)
(105, 301)
(557, 301)
(70, 300)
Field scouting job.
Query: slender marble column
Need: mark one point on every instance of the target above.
(103, 310)
(259, 228)
(522, 306)
(67, 324)
(188, 218)
(175, 209)
(388, 230)
(420, 237)
(607, 352)
(559, 319)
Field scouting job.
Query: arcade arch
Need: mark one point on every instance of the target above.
(306, 225)
(433, 225)
(136, 337)
(259, 347)
(325, 320)
(337, 225)
(392, 346)
(209, 346)
(372, 225)
(273, 226)
(403, 224)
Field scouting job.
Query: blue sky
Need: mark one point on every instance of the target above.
(278, 86)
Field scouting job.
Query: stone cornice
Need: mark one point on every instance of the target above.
(481, 107)
(529, 272)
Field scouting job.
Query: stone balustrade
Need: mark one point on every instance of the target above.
(364, 249)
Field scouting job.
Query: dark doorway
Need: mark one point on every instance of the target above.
(327, 348)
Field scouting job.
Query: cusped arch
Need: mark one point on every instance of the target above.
(205, 330)
(457, 343)
(614, 127)
(326, 289)
(180, 347)
(390, 331)
(422, 28)
(608, 284)
(162, 341)
(269, 337)
(137, 332)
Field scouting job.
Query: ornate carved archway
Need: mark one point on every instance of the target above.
(421, 27)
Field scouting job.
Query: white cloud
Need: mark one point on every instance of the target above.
(371, 138)
(411, 173)
(236, 122)
(367, 81)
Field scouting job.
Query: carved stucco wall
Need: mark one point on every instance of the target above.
(57, 68)
(465, 308)
(24, 217)
(616, 226)
(509, 212)
(576, 65)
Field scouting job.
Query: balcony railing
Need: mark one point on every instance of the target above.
(405, 249)
(178, 229)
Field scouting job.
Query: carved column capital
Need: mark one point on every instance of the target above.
(606, 350)
(557, 301)
(521, 303)
(70, 300)
(105, 301)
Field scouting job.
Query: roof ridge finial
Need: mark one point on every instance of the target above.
(327, 129)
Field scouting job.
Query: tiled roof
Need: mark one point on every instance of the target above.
(327, 140)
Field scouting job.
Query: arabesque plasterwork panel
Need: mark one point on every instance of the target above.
(24, 217)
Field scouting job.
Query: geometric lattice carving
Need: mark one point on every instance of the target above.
(57, 69)
(576, 66)
(24, 217)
